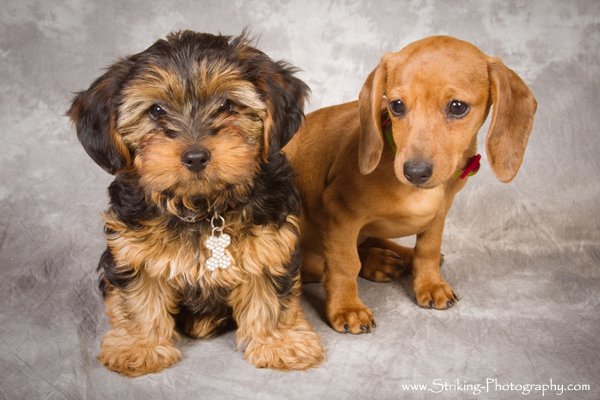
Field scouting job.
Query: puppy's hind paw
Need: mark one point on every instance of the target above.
(380, 265)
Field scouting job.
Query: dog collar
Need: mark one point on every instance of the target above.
(191, 217)
(471, 169)
(473, 163)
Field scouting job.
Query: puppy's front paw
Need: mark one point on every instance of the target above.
(353, 319)
(132, 357)
(287, 350)
(380, 265)
(438, 295)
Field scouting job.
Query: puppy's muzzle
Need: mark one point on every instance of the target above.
(418, 172)
(195, 159)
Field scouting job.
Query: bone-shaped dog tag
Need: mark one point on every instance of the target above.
(218, 244)
(218, 258)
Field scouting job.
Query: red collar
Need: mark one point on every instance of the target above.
(471, 169)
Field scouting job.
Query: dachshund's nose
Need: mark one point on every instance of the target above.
(418, 172)
(195, 159)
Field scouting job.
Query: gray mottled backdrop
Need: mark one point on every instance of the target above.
(523, 256)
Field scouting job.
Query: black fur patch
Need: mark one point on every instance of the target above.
(284, 284)
(274, 196)
(109, 275)
(204, 302)
(128, 202)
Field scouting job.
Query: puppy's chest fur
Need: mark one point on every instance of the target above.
(144, 239)
(176, 253)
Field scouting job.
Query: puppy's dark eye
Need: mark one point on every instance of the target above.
(156, 112)
(397, 108)
(226, 107)
(458, 109)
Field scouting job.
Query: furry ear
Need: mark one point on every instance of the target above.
(285, 106)
(94, 113)
(512, 120)
(282, 92)
(369, 107)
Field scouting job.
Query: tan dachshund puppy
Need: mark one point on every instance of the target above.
(359, 187)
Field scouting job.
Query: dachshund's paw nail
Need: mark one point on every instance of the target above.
(373, 323)
(391, 276)
(449, 304)
(346, 328)
(431, 304)
(363, 328)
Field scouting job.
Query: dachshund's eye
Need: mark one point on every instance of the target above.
(458, 109)
(156, 112)
(226, 107)
(397, 108)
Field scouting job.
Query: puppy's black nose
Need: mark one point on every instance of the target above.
(418, 172)
(195, 159)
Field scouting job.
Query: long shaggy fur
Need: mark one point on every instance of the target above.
(220, 96)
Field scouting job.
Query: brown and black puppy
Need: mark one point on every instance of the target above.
(389, 165)
(203, 220)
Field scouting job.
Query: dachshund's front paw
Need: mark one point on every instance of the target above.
(351, 319)
(438, 295)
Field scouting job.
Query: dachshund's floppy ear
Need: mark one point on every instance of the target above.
(369, 107)
(512, 120)
(94, 113)
(281, 91)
